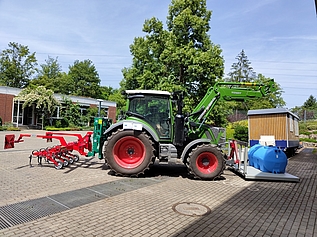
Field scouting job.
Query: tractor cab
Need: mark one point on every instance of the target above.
(154, 107)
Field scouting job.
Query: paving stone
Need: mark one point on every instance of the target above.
(238, 207)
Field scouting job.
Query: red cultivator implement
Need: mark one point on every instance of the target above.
(9, 140)
(60, 155)
(82, 143)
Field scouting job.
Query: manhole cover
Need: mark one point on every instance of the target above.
(191, 209)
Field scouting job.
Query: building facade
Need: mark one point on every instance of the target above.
(11, 110)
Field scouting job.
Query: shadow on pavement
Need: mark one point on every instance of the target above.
(266, 208)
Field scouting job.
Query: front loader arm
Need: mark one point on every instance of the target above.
(230, 91)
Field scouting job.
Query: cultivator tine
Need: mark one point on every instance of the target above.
(30, 162)
(39, 160)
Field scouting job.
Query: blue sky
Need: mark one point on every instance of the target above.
(279, 37)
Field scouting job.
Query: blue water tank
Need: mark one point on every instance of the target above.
(270, 159)
(251, 152)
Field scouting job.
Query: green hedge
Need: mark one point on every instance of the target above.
(5, 128)
(62, 129)
(312, 127)
(307, 140)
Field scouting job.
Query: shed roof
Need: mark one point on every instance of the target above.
(271, 111)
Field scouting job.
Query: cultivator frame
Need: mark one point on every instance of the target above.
(60, 155)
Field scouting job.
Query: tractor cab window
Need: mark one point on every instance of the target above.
(155, 110)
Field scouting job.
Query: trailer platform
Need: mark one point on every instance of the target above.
(251, 173)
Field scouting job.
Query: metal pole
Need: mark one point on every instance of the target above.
(18, 112)
(42, 121)
(99, 108)
(245, 160)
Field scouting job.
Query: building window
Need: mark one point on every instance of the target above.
(296, 127)
(291, 123)
(17, 112)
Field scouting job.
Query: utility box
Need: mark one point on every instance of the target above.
(100, 126)
(267, 140)
(279, 123)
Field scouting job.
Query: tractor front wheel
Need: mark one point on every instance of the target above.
(128, 152)
(206, 162)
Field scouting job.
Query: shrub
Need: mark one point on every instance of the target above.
(58, 124)
(241, 133)
(307, 140)
(229, 132)
(13, 129)
(63, 129)
(312, 127)
(9, 127)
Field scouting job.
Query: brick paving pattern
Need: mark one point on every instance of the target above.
(238, 207)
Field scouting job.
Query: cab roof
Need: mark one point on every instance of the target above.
(152, 92)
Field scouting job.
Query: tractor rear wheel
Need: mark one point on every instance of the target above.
(128, 152)
(206, 162)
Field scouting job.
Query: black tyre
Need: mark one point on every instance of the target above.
(59, 165)
(206, 162)
(76, 157)
(71, 161)
(65, 162)
(128, 152)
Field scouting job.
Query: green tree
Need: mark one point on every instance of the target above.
(106, 91)
(51, 70)
(44, 100)
(220, 113)
(85, 78)
(17, 65)
(71, 113)
(242, 71)
(119, 99)
(271, 100)
(308, 110)
(50, 76)
(180, 57)
(66, 85)
(241, 132)
(310, 103)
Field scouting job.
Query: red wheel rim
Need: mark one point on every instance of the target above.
(207, 162)
(129, 152)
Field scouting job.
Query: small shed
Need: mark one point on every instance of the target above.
(279, 123)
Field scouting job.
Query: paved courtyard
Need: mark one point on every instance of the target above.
(85, 199)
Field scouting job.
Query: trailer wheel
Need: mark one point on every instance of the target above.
(71, 161)
(76, 157)
(128, 152)
(66, 163)
(206, 162)
(59, 165)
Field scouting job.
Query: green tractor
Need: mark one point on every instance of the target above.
(150, 131)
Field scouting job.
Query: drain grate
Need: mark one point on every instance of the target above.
(3, 223)
(77, 197)
(112, 188)
(22, 212)
(191, 209)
